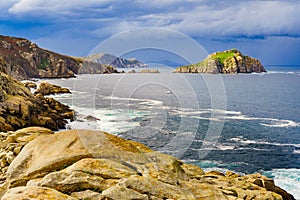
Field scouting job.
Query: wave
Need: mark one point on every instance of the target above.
(296, 151)
(288, 179)
(246, 141)
(220, 115)
(281, 72)
(112, 121)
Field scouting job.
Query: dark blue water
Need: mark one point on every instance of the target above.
(246, 123)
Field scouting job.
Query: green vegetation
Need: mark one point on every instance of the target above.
(222, 56)
(203, 63)
(44, 63)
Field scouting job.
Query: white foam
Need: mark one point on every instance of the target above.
(280, 72)
(296, 151)
(280, 123)
(112, 121)
(288, 179)
(220, 115)
(246, 141)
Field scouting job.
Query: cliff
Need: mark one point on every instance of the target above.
(114, 61)
(20, 108)
(89, 67)
(82, 164)
(23, 59)
(227, 62)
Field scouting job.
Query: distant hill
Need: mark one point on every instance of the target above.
(24, 59)
(114, 61)
(227, 62)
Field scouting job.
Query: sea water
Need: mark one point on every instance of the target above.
(246, 123)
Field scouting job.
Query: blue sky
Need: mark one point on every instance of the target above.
(268, 30)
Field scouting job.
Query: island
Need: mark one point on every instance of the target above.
(228, 62)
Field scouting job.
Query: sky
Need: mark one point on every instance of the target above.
(267, 30)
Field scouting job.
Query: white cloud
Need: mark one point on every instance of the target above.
(246, 18)
(27, 6)
(7, 3)
(200, 18)
(4, 6)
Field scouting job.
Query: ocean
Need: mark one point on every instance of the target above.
(245, 123)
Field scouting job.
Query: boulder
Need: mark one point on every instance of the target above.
(66, 148)
(48, 89)
(82, 164)
(20, 108)
(30, 84)
(34, 193)
(119, 192)
(87, 195)
(156, 188)
(13, 142)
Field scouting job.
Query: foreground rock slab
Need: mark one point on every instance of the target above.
(37, 193)
(82, 164)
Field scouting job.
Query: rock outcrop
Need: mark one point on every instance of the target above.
(114, 61)
(88, 67)
(227, 62)
(23, 59)
(13, 142)
(20, 108)
(48, 89)
(81, 164)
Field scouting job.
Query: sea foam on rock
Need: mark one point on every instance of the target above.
(20, 108)
(83, 164)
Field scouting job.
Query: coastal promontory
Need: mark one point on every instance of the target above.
(114, 61)
(227, 62)
(23, 59)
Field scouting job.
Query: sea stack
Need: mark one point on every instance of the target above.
(227, 62)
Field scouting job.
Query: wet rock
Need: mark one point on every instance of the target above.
(48, 89)
(30, 84)
(20, 108)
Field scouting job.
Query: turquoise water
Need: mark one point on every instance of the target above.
(246, 123)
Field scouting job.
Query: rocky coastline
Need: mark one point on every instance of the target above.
(37, 163)
(80, 164)
(23, 59)
(21, 108)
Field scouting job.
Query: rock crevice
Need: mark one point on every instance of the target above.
(103, 172)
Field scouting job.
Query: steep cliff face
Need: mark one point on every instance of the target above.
(23, 59)
(227, 62)
(114, 61)
(88, 67)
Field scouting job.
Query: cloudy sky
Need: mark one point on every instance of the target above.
(268, 30)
